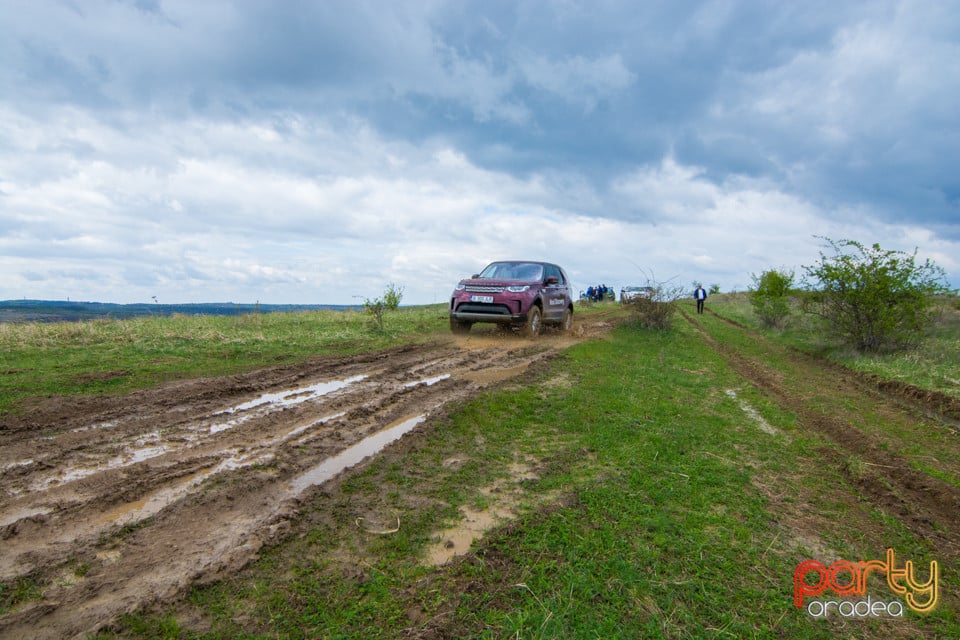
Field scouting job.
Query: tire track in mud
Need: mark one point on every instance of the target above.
(926, 505)
(934, 404)
(182, 485)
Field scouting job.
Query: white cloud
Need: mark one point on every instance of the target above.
(232, 150)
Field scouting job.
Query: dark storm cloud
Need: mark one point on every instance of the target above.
(256, 141)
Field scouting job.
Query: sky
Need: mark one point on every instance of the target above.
(317, 152)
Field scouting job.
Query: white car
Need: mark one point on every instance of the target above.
(632, 293)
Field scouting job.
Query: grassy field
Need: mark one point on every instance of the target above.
(935, 365)
(656, 492)
(113, 356)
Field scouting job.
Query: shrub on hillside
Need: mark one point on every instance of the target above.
(389, 301)
(770, 296)
(872, 298)
(657, 310)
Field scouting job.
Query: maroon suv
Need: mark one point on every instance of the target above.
(514, 294)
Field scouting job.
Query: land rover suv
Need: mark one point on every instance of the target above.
(518, 293)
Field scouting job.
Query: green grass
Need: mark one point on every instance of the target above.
(934, 365)
(660, 511)
(22, 590)
(115, 356)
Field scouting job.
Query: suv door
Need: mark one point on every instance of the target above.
(554, 294)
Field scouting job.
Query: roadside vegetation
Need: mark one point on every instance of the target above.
(770, 297)
(873, 299)
(657, 493)
(387, 302)
(931, 365)
(657, 310)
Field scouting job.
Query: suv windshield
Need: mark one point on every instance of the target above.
(513, 271)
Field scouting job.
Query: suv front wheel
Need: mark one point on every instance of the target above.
(534, 321)
(459, 327)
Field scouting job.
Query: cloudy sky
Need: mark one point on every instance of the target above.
(315, 151)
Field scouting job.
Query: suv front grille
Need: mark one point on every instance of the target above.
(486, 309)
(477, 289)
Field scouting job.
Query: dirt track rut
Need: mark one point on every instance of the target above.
(821, 395)
(114, 503)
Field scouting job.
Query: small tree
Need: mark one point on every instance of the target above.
(714, 289)
(769, 296)
(873, 298)
(389, 301)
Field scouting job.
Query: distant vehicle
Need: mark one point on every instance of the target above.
(632, 293)
(513, 294)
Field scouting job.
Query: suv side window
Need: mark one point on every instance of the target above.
(553, 270)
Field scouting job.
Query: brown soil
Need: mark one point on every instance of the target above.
(114, 503)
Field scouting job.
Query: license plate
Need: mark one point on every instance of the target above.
(487, 299)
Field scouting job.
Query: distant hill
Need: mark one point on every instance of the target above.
(69, 311)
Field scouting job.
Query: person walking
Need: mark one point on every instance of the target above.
(700, 295)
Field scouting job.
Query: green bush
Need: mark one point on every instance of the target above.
(770, 296)
(874, 299)
(389, 301)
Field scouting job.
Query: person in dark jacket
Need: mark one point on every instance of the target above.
(700, 295)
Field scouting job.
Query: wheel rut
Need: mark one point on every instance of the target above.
(114, 503)
(832, 401)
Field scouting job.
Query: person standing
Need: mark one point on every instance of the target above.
(700, 295)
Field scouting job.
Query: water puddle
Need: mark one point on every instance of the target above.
(429, 382)
(93, 427)
(15, 516)
(281, 399)
(351, 456)
(765, 426)
(13, 465)
(131, 456)
(154, 503)
(456, 541)
(230, 424)
(150, 446)
(294, 397)
(505, 496)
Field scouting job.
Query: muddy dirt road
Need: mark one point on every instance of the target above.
(114, 503)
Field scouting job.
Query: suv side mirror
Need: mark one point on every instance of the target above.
(552, 280)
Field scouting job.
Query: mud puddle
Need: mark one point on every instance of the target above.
(502, 501)
(183, 484)
(369, 446)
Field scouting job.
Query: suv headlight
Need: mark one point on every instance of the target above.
(460, 287)
(518, 289)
